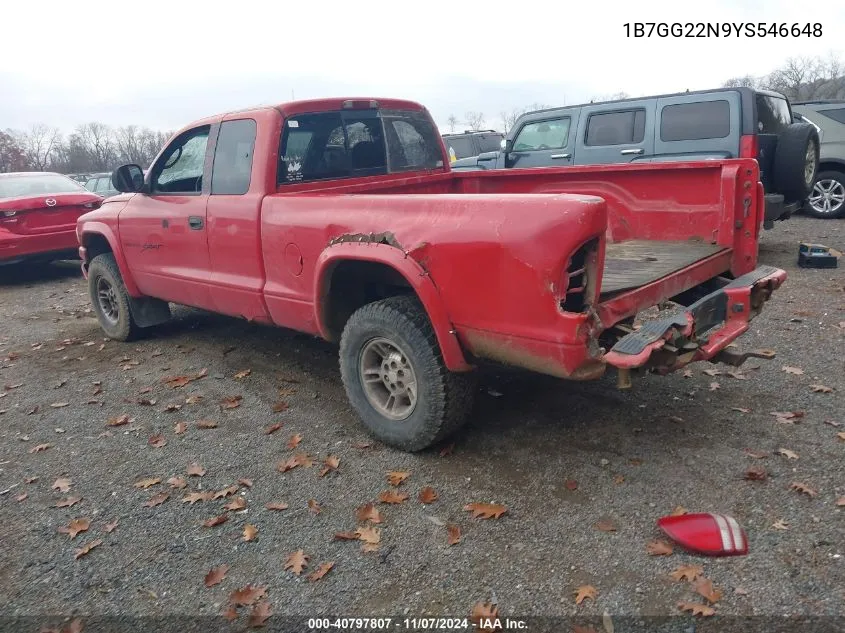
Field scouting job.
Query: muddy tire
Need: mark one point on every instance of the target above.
(796, 161)
(395, 377)
(110, 299)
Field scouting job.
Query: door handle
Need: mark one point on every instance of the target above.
(560, 155)
(195, 222)
(626, 152)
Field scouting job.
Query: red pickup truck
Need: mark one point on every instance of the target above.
(341, 218)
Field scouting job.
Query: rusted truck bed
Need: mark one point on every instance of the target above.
(634, 263)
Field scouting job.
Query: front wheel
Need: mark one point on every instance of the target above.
(395, 377)
(827, 199)
(110, 299)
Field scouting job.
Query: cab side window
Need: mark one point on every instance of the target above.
(233, 154)
(616, 128)
(542, 135)
(180, 168)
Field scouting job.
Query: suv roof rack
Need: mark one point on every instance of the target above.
(470, 132)
(819, 102)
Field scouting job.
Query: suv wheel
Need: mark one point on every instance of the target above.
(796, 161)
(827, 199)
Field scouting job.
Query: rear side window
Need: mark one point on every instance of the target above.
(233, 157)
(772, 114)
(836, 115)
(462, 146)
(616, 128)
(489, 142)
(541, 135)
(412, 141)
(695, 121)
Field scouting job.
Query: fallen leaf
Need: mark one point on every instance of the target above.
(618, 479)
(170, 408)
(59, 405)
(314, 506)
(787, 453)
(583, 592)
(447, 450)
(180, 428)
(329, 464)
(175, 382)
(146, 483)
(486, 510)
(216, 575)
(243, 374)
(606, 525)
(756, 454)
(369, 535)
(821, 389)
(687, 373)
(741, 409)
(714, 386)
(157, 441)
(687, 572)
(678, 511)
(146, 402)
(712, 372)
(483, 612)
(226, 492)
(206, 424)
(87, 548)
(755, 473)
(427, 495)
(788, 417)
(157, 500)
(110, 527)
(453, 534)
(276, 505)
(61, 484)
(738, 375)
(696, 609)
(279, 407)
(393, 496)
(659, 548)
(797, 371)
(246, 483)
(250, 532)
(368, 512)
(294, 441)
(396, 477)
(704, 587)
(346, 536)
(247, 595)
(21, 497)
(231, 402)
(780, 524)
(273, 428)
(195, 399)
(40, 448)
(193, 497)
(236, 504)
(215, 521)
(322, 570)
(570, 484)
(75, 527)
(119, 420)
(177, 482)
(195, 470)
(66, 503)
(260, 613)
(841, 435)
(840, 501)
(297, 562)
(803, 488)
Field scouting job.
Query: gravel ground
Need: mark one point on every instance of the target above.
(561, 457)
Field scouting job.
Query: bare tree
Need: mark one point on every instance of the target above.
(11, 155)
(475, 120)
(37, 145)
(98, 141)
(746, 81)
(453, 122)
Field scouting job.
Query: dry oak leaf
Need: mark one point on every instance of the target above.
(804, 488)
(329, 464)
(294, 441)
(427, 495)
(841, 436)
(75, 527)
(119, 420)
(110, 527)
(66, 503)
(193, 497)
(195, 399)
(755, 473)
(195, 470)
(659, 548)
(297, 562)
(206, 424)
(180, 427)
(177, 482)
(157, 441)
(87, 548)
(226, 492)
(61, 484)
(787, 453)
(797, 371)
(216, 575)
(780, 524)
(393, 496)
(243, 374)
(40, 448)
(157, 500)
(368, 512)
(173, 406)
(314, 506)
(260, 613)
(821, 389)
(231, 402)
(570, 484)
(276, 505)
(279, 407)
(300, 459)
(238, 503)
(483, 612)
(585, 591)
(687, 572)
(369, 535)
(697, 609)
(215, 521)
(246, 596)
(704, 587)
(273, 428)
(486, 510)
(146, 483)
(346, 536)
(322, 570)
(396, 477)
(21, 497)
(840, 501)
(246, 483)
(453, 534)
(714, 386)
(756, 454)
(606, 525)
(250, 532)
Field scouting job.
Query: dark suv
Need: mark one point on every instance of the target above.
(708, 124)
(472, 143)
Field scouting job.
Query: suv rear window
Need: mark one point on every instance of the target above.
(695, 121)
(616, 128)
(772, 114)
(461, 145)
(489, 142)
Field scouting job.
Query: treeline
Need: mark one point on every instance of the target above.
(91, 147)
(801, 79)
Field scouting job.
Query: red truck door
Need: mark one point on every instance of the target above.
(163, 230)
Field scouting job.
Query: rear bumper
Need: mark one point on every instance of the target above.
(700, 331)
(15, 247)
(778, 209)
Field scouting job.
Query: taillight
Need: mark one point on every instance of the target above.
(9, 214)
(749, 147)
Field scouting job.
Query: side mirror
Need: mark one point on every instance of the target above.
(128, 178)
(507, 145)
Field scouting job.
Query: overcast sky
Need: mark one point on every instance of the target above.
(165, 63)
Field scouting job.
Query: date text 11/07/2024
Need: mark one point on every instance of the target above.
(723, 29)
(417, 624)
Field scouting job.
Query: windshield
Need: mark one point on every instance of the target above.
(18, 186)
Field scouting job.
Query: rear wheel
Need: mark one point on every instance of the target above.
(796, 161)
(827, 199)
(395, 377)
(110, 300)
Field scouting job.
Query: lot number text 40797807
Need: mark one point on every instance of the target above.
(722, 29)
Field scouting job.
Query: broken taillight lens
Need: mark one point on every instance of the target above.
(710, 534)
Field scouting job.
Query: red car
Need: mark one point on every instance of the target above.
(38, 213)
